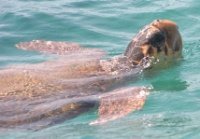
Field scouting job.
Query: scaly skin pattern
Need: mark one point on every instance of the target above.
(40, 95)
(160, 39)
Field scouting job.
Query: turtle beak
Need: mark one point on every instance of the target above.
(149, 50)
(138, 53)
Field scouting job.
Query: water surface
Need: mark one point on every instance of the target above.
(172, 109)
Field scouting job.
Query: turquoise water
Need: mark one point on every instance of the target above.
(172, 110)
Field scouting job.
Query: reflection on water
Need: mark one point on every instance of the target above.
(110, 25)
(169, 85)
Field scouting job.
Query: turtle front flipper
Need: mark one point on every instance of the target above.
(120, 103)
(56, 47)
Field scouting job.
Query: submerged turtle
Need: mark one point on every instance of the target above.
(39, 95)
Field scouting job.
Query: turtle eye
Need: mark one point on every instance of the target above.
(157, 39)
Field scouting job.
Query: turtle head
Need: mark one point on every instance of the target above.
(160, 39)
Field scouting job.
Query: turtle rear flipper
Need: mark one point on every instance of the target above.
(120, 103)
(56, 47)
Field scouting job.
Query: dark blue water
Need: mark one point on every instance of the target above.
(172, 109)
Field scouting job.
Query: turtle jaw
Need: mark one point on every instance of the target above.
(136, 54)
(144, 55)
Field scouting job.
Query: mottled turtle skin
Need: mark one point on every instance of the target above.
(160, 39)
(39, 95)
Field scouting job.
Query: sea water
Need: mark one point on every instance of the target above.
(172, 109)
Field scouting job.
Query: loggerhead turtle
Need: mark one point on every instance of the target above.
(40, 95)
